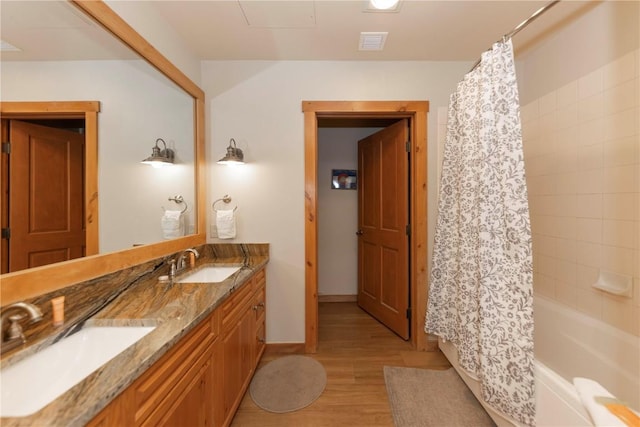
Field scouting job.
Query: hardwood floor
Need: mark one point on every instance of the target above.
(353, 347)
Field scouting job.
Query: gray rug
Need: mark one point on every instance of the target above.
(429, 398)
(288, 384)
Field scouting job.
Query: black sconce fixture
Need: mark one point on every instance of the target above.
(160, 157)
(234, 155)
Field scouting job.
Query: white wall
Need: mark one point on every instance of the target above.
(259, 104)
(146, 20)
(138, 105)
(338, 212)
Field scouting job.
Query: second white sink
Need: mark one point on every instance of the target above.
(209, 275)
(32, 383)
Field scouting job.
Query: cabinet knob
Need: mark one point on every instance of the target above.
(258, 306)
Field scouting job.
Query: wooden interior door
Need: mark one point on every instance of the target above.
(383, 224)
(46, 195)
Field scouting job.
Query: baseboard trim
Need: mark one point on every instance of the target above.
(285, 348)
(337, 298)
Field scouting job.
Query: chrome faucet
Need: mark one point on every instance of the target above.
(14, 334)
(180, 263)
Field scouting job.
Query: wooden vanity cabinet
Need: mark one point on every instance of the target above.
(179, 389)
(240, 349)
(202, 379)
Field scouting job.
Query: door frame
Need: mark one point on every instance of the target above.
(87, 110)
(416, 113)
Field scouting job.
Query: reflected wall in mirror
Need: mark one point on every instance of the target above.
(65, 56)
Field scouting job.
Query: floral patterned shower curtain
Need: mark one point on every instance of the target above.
(481, 288)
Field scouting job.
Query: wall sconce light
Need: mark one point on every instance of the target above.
(160, 158)
(234, 155)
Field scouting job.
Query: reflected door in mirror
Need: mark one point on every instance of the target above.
(46, 195)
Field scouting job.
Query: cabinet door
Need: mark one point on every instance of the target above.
(192, 407)
(237, 363)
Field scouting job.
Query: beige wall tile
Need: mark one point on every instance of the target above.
(620, 71)
(636, 291)
(621, 124)
(591, 108)
(566, 272)
(618, 260)
(567, 94)
(589, 205)
(621, 179)
(565, 227)
(623, 206)
(590, 132)
(589, 254)
(566, 138)
(590, 156)
(565, 249)
(586, 276)
(565, 183)
(547, 103)
(621, 97)
(589, 230)
(547, 265)
(619, 233)
(528, 112)
(589, 181)
(623, 151)
(590, 84)
(544, 285)
(566, 116)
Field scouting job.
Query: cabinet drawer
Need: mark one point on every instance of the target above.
(259, 280)
(236, 304)
(152, 387)
(259, 304)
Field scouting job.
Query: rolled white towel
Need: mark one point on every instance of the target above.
(591, 393)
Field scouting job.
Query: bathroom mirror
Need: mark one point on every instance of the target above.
(163, 103)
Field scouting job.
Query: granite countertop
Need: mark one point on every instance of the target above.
(173, 308)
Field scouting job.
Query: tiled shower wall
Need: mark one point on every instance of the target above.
(582, 160)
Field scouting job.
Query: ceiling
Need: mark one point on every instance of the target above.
(429, 30)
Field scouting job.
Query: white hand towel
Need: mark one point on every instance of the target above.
(587, 390)
(171, 224)
(226, 223)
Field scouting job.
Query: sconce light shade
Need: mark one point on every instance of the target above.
(234, 155)
(160, 158)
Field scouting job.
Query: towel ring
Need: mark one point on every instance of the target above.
(226, 199)
(179, 200)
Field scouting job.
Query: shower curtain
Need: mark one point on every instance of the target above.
(481, 293)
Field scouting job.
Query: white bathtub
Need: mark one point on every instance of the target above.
(570, 344)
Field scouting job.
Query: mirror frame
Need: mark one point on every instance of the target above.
(40, 280)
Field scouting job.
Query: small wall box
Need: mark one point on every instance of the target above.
(344, 179)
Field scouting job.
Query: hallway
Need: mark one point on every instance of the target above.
(353, 347)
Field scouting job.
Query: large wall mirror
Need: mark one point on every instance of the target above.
(83, 51)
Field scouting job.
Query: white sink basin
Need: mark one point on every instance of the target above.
(32, 383)
(209, 275)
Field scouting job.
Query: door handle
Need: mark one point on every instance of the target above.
(359, 232)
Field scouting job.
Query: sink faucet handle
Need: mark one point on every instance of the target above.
(172, 268)
(15, 330)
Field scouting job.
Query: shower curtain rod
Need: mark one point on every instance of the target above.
(523, 24)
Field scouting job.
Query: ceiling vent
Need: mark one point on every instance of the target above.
(372, 40)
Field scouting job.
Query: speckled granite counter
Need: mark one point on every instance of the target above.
(174, 309)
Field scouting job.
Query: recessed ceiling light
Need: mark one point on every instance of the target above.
(8, 47)
(382, 6)
(372, 40)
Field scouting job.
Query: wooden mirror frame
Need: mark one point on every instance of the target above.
(37, 281)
